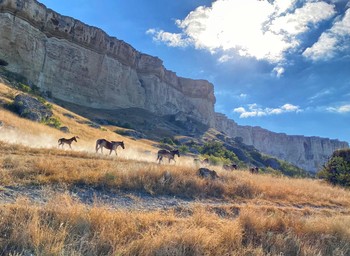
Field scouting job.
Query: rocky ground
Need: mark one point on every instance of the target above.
(90, 196)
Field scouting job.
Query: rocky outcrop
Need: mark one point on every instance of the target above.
(72, 61)
(308, 153)
(31, 108)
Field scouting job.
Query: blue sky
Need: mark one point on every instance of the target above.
(281, 65)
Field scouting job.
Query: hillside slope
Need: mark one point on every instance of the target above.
(75, 202)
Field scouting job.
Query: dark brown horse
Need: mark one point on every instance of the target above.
(63, 141)
(254, 170)
(111, 145)
(168, 154)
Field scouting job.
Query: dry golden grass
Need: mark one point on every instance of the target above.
(251, 214)
(66, 227)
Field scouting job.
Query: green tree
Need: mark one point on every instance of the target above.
(337, 169)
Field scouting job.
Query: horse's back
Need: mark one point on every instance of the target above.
(100, 141)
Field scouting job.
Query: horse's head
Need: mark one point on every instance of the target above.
(122, 144)
(176, 152)
(75, 138)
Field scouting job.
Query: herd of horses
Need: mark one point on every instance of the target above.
(100, 144)
(163, 153)
(113, 145)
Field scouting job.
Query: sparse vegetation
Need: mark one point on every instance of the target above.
(53, 122)
(217, 153)
(337, 169)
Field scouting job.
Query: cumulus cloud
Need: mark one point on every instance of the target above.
(265, 30)
(170, 39)
(254, 110)
(278, 71)
(331, 41)
(341, 109)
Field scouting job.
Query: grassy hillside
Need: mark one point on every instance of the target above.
(237, 214)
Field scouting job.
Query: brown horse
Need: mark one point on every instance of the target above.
(168, 154)
(63, 141)
(254, 170)
(111, 145)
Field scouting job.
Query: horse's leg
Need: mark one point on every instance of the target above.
(70, 146)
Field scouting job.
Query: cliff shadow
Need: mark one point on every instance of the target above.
(140, 123)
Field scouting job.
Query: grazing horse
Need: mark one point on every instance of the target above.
(113, 145)
(168, 154)
(63, 141)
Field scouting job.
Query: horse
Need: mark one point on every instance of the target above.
(254, 170)
(168, 154)
(230, 167)
(63, 141)
(111, 145)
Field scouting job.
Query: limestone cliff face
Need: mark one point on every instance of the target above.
(309, 153)
(82, 64)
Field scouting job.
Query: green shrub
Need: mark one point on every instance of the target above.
(169, 141)
(184, 149)
(24, 87)
(53, 122)
(216, 149)
(337, 169)
(217, 160)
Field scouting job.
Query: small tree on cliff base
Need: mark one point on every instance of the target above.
(337, 169)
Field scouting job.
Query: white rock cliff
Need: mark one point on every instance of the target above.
(82, 64)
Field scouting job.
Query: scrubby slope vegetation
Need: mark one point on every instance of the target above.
(237, 214)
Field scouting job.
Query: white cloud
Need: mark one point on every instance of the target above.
(301, 20)
(170, 39)
(321, 94)
(331, 41)
(243, 95)
(255, 111)
(278, 71)
(265, 30)
(341, 109)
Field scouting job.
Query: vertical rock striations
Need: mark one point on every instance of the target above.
(82, 64)
(309, 153)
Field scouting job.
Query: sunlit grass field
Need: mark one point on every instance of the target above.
(252, 215)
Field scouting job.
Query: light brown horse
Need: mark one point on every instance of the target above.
(168, 154)
(63, 141)
(111, 145)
